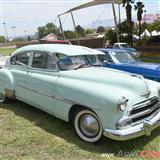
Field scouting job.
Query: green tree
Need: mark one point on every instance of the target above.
(100, 29)
(47, 29)
(128, 6)
(89, 31)
(2, 39)
(139, 7)
(155, 26)
(111, 36)
(80, 30)
(70, 34)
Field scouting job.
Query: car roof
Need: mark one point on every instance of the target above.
(70, 50)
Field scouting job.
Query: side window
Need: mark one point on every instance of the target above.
(43, 61)
(21, 59)
(116, 46)
(106, 57)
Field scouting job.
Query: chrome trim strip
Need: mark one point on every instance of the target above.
(141, 105)
(54, 97)
(148, 111)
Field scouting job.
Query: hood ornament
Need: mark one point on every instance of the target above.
(146, 94)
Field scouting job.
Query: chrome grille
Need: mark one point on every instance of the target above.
(145, 110)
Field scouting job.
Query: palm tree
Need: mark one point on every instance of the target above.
(128, 6)
(139, 7)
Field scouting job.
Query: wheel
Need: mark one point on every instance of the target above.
(88, 126)
(3, 98)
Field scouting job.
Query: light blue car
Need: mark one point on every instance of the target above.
(69, 83)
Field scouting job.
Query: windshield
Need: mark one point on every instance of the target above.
(123, 57)
(66, 62)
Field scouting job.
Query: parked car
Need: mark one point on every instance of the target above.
(121, 60)
(127, 48)
(67, 82)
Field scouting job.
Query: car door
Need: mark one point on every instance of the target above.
(18, 68)
(41, 81)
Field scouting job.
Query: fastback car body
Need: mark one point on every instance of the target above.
(98, 100)
(121, 60)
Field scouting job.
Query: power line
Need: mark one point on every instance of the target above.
(99, 16)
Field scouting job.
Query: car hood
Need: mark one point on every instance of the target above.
(109, 77)
(130, 49)
(142, 65)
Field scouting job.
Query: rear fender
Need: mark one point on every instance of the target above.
(7, 85)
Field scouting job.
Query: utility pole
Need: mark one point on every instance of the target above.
(75, 28)
(5, 28)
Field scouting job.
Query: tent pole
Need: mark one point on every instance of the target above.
(75, 28)
(62, 31)
(115, 21)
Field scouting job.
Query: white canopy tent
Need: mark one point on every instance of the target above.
(93, 3)
(90, 4)
(146, 33)
(155, 33)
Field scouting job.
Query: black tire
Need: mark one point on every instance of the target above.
(88, 126)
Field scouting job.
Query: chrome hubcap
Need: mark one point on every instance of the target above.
(2, 98)
(89, 125)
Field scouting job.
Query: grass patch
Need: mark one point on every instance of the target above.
(27, 133)
(6, 51)
(151, 59)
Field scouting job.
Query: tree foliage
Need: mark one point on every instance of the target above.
(111, 36)
(2, 39)
(70, 34)
(89, 31)
(47, 29)
(80, 30)
(155, 25)
(139, 7)
(128, 6)
(100, 29)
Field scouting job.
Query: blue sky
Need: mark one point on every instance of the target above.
(27, 15)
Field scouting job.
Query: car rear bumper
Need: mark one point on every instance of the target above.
(144, 128)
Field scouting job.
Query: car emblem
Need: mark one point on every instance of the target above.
(146, 94)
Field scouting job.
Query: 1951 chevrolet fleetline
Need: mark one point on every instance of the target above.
(68, 82)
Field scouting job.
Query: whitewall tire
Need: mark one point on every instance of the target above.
(88, 126)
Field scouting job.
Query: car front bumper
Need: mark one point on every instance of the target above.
(141, 129)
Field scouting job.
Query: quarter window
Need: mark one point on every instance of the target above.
(43, 61)
(21, 59)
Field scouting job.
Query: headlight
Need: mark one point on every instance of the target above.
(122, 104)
